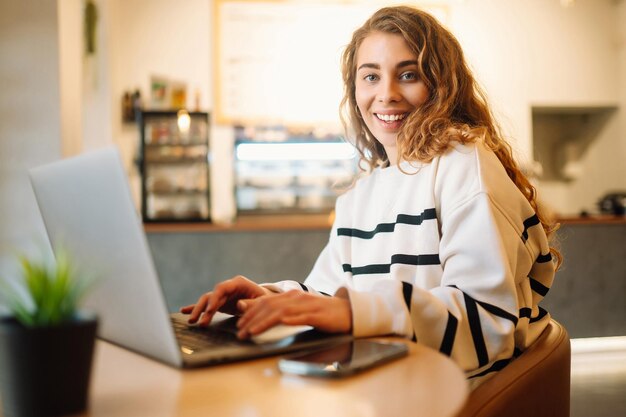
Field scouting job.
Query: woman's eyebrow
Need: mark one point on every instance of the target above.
(368, 65)
(401, 64)
(406, 63)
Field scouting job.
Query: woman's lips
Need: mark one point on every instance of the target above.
(390, 117)
(390, 121)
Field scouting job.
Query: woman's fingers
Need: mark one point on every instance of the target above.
(243, 305)
(259, 325)
(218, 299)
(332, 314)
(187, 309)
(260, 309)
(260, 314)
(224, 298)
(199, 307)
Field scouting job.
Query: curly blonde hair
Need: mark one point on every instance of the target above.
(456, 109)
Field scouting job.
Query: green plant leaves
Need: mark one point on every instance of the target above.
(55, 292)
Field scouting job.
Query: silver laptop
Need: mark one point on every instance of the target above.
(88, 211)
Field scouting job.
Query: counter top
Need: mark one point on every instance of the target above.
(250, 223)
(593, 219)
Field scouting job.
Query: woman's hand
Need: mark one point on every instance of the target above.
(329, 314)
(224, 298)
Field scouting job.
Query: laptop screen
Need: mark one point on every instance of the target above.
(86, 205)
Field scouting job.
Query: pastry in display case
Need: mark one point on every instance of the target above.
(174, 163)
(279, 172)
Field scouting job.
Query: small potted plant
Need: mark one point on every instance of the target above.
(46, 342)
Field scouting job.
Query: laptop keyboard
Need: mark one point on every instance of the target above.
(202, 337)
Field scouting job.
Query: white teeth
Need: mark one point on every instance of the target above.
(391, 117)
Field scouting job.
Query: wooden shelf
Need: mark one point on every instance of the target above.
(249, 223)
(592, 219)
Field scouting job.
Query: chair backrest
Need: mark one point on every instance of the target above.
(536, 384)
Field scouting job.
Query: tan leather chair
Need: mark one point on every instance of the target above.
(536, 384)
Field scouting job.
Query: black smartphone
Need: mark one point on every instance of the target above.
(343, 359)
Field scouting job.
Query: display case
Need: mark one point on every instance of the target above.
(174, 163)
(291, 175)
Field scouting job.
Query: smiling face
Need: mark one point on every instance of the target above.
(387, 87)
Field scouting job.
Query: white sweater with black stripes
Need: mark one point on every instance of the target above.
(447, 253)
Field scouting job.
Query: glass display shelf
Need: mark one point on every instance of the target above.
(295, 175)
(175, 167)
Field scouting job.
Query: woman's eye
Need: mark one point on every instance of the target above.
(408, 76)
(370, 77)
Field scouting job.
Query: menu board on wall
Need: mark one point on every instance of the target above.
(278, 62)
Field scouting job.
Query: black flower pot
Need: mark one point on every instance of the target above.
(45, 371)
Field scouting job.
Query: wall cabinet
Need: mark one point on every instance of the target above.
(174, 162)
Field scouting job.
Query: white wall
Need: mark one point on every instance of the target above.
(537, 52)
(70, 20)
(96, 85)
(85, 79)
(161, 37)
(602, 162)
(29, 121)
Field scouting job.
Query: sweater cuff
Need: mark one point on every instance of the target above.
(370, 314)
(273, 288)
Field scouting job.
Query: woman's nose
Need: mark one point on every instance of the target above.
(389, 92)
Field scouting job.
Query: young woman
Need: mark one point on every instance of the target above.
(442, 242)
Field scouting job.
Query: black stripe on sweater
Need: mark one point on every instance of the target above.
(428, 214)
(538, 287)
(304, 287)
(525, 312)
(496, 311)
(475, 326)
(449, 334)
(528, 223)
(544, 258)
(395, 259)
(497, 366)
(407, 293)
(542, 313)
(477, 331)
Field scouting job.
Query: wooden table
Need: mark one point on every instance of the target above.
(425, 383)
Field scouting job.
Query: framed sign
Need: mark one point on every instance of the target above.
(278, 62)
